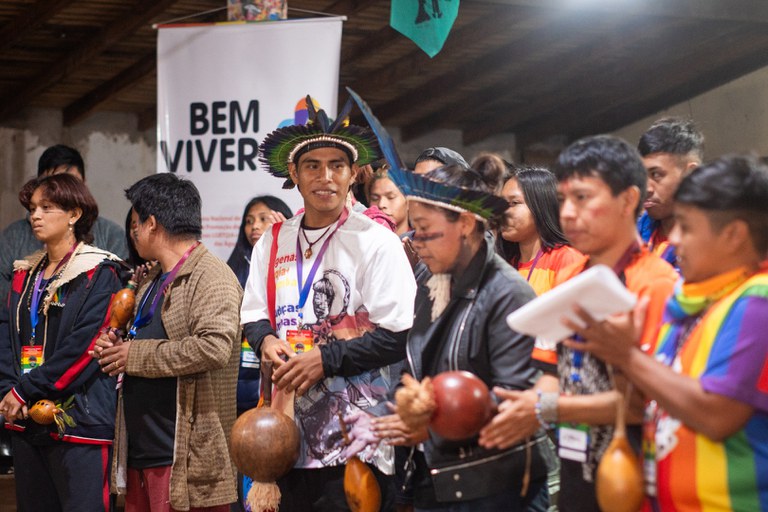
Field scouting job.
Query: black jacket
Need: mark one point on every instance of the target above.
(472, 334)
(78, 310)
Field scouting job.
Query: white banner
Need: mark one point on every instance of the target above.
(220, 90)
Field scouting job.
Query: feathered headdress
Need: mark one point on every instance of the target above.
(287, 144)
(419, 188)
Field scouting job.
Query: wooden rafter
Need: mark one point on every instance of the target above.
(79, 109)
(417, 60)
(147, 119)
(354, 56)
(720, 69)
(349, 7)
(581, 78)
(752, 11)
(89, 49)
(27, 21)
(146, 65)
(523, 75)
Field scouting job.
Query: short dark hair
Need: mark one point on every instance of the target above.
(443, 155)
(174, 202)
(729, 188)
(69, 193)
(610, 158)
(58, 155)
(539, 188)
(673, 135)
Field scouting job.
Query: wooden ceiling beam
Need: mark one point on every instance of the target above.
(34, 16)
(147, 119)
(752, 11)
(719, 70)
(83, 106)
(571, 80)
(521, 75)
(409, 64)
(451, 82)
(688, 78)
(139, 71)
(349, 7)
(89, 49)
(353, 57)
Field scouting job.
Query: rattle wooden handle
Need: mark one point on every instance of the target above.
(266, 382)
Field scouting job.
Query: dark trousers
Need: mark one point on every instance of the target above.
(322, 490)
(66, 477)
(537, 500)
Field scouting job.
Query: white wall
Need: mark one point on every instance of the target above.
(116, 155)
(733, 117)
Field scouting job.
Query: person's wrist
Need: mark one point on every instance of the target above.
(267, 341)
(546, 409)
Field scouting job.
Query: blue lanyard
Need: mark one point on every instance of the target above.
(305, 287)
(37, 293)
(142, 320)
(34, 314)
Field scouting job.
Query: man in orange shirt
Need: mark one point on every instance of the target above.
(671, 149)
(601, 184)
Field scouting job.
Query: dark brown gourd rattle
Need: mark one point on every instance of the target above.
(265, 446)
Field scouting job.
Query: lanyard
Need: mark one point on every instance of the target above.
(304, 288)
(39, 288)
(533, 265)
(626, 259)
(619, 268)
(143, 320)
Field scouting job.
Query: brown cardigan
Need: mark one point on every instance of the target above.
(200, 313)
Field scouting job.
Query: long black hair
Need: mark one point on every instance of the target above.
(239, 260)
(539, 187)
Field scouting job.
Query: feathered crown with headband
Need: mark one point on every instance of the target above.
(286, 145)
(419, 188)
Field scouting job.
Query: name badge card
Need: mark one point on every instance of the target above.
(31, 357)
(573, 443)
(301, 340)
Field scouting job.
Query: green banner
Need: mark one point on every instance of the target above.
(426, 22)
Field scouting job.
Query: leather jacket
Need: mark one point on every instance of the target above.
(471, 334)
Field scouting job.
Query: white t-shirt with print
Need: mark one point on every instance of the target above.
(363, 281)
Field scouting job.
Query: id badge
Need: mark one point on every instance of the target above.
(572, 442)
(248, 357)
(301, 340)
(31, 357)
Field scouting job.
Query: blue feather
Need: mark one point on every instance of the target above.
(411, 184)
(386, 144)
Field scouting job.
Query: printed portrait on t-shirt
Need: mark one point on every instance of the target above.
(330, 301)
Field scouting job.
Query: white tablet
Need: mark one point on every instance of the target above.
(597, 290)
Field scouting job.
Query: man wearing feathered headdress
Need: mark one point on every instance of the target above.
(341, 372)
